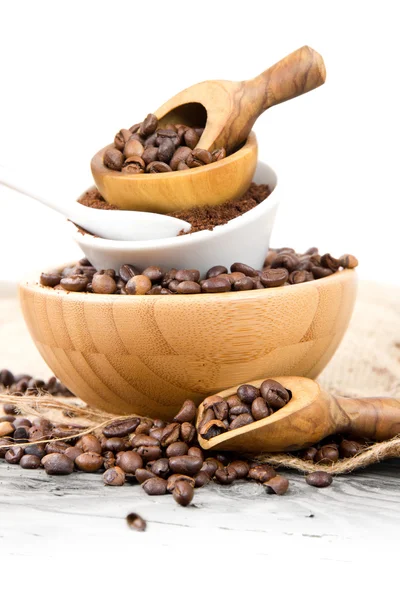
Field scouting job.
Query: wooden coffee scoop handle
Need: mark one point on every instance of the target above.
(373, 418)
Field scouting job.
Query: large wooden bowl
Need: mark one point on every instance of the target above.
(146, 354)
(212, 184)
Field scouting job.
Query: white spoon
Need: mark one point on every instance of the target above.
(121, 225)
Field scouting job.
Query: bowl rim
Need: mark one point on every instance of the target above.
(345, 275)
(251, 215)
(97, 164)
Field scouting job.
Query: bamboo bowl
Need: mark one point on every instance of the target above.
(147, 354)
(227, 179)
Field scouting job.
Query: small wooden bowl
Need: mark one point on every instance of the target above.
(213, 184)
(147, 354)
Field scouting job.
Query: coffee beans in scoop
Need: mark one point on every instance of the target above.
(282, 267)
(148, 148)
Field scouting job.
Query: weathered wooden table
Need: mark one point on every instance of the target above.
(47, 516)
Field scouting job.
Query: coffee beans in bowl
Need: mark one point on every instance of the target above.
(148, 148)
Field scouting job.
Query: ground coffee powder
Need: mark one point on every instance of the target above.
(200, 217)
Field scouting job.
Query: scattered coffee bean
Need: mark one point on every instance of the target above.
(201, 479)
(156, 486)
(57, 464)
(14, 455)
(114, 476)
(261, 473)
(226, 475)
(121, 428)
(319, 479)
(29, 461)
(90, 462)
(183, 492)
(136, 522)
(185, 465)
(277, 485)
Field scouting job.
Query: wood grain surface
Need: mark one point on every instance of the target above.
(146, 354)
(167, 192)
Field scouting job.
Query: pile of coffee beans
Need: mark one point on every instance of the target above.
(26, 385)
(146, 148)
(249, 404)
(282, 267)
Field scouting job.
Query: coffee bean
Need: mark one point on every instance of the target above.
(196, 451)
(133, 148)
(57, 464)
(183, 493)
(319, 479)
(35, 450)
(191, 138)
(166, 150)
(149, 453)
(241, 420)
(22, 422)
(29, 461)
(241, 467)
(182, 166)
(320, 272)
(74, 283)
(121, 139)
(113, 159)
(141, 439)
(274, 393)
(6, 429)
(158, 167)
(327, 455)
(170, 134)
(300, 277)
(72, 452)
(187, 433)
(198, 158)
(134, 165)
(126, 272)
(201, 479)
(244, 269)
(246, 283)
(216, 285)
(49, 280)
(138, 285)
(129, 462)
(4, 446)
(89, 462)
(156, 433)
(89, 443)
(103, 284)
(225, 475)
(247, 393)
(161, 468)
(260, 409)
(261, 473)
(136, 522)
(150, 154)
(116, 444)
(286, 260)
(309, 454)
(186, 413)
(177, 449)
(180, 155)
(277, 485)
(274, 277)
(185, 465)
(239, 409)
(21, 434)
(114, 476)
(212, 429)
(221, 410)
(149, 125)
(143, 475)
(14, 455)
(349, 448)
(173, 479)
(347, 261)
(9, 409)
(188, 287)
(188, 275)
(121, 428)
(156, 486)
(154, 273)
(215, 271)
(144, 426)
(170, 434)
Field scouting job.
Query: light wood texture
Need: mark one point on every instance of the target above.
(311, 415)
(233, 107)
(146, 354)
(166, 192)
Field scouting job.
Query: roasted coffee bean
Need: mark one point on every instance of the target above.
(182, 166)
(247, 393)
(201, 479)
(113, 159)
(177, 449)
(173, 285)
(6, 429)
(109, 459)
(35, 450)
(121, 139)
(309, 454)
(133, 148)
(14, 455)
(143, 474)
(103, 284)
(216, 285)
(29, 461)
(50, 280)
(329, 262)
(154, 273)
(136, 522)
(121, 428)
(349, 448)
(149, 453)
(241, 467)
(274, 277)
(320, 272)
(21, 434)
(300, 277)
(226, 475)
(114, 476)
(158, 167)
(89, 462)
(212, 429)
(171, 134)
(72, 452)
(126, 272)
(191, 138)
(261, 473)
(134, 165)
(208, 415)
(129, 462)
(156, 486)
(116, 444)
(9, 409)
(348, 261)
(196, 451)
(149, 125)
(274, 393)
(173, 479)
(141, 439)
(186, 413)
(185, 465)
(242, 268)
(240, 421)
(4, 446)
(221, 410)
(198, 158)
(22, 422)
(188, 275)
(56, 447)
(171, 434)
(239, 409)
(188, 287)
(138, 285)
(183, 492)
(327, 455)
(144, 426)
(150, 154)
(210, 465)
(277, 485)
(166, 150)
(74, 283)
(161, 468)
(180, 155)
(89, 443)
(215, 271)
(319, 479)
(156, 433)
(260, 409)
(243, 284)
(57, 464)
(286, 260)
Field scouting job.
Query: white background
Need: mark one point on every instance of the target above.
(74, 73)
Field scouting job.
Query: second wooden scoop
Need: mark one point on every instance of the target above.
(228, 109)
(311, 415)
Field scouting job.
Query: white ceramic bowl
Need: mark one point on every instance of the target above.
(245, 239)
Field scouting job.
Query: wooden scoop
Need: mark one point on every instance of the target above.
(229, 109)
(311, 415)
